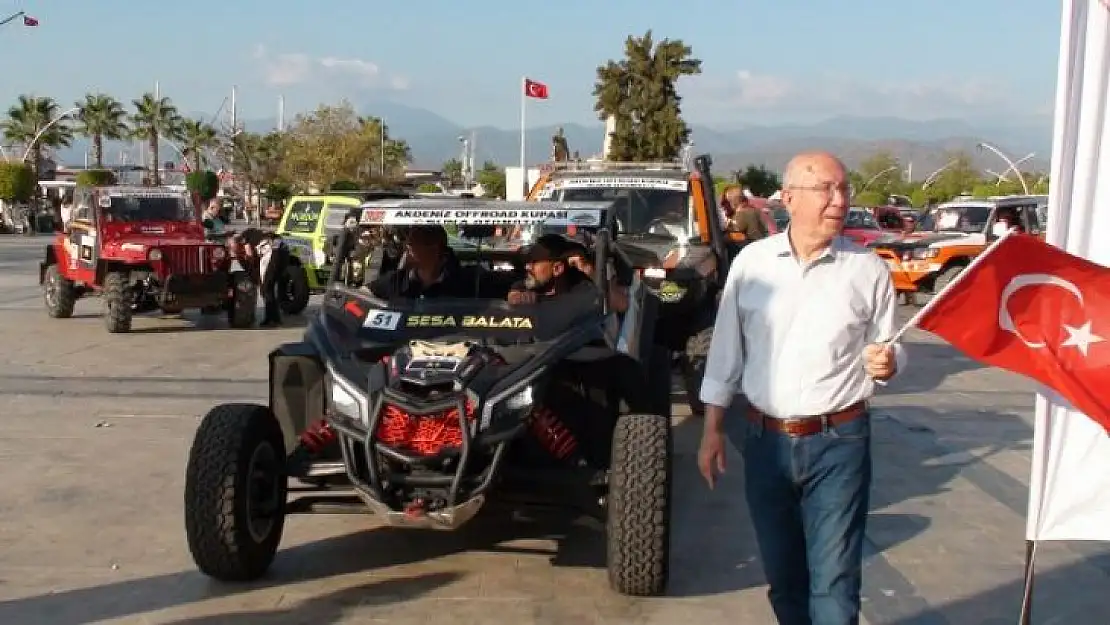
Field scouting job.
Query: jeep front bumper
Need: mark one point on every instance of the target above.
(196, 290)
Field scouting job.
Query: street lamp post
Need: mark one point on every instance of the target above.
(49, 124)
(1012, 165)
(931, 178)
(876, 177)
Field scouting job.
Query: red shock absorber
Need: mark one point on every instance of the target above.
(317, 436)
(552, 434)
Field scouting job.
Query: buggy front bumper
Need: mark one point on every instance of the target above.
(451, 491)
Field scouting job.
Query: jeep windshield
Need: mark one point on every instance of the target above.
(127, 208)
(963, 219)
(656, 213)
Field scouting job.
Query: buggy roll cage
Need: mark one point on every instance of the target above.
(481, 215)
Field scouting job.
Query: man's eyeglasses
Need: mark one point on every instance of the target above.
(846, 190)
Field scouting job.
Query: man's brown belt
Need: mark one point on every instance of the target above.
(808, 425)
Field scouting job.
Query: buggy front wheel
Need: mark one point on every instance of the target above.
(235, 492)
(638, 526)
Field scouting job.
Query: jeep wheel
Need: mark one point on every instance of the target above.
(117, 299)
(244, 301)
(295, 291)
(639, 506)
(235, 490)
(693, 368)
(59, 294)
(943, 279)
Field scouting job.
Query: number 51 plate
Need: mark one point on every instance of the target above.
(382, 320)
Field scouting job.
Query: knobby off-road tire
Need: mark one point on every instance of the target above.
(235, 492)
(59, 294)
(117, 300)
(693, 368)
(943, 279)
(244, 302)
(297, 293)
(639, 511)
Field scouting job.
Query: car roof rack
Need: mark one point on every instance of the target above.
(604, 166)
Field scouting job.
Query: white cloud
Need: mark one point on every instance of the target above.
(285, 69)
(747, 92)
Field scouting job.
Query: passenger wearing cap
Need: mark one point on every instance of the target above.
(429, 269)
(550, 273)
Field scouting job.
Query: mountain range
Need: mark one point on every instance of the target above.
(920, 145)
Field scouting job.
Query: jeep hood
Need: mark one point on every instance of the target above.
(925, 241)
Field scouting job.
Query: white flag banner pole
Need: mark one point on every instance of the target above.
(1070, 475)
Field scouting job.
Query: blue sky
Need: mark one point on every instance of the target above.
(764, 62)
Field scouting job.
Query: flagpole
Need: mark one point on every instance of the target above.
(523, 132)
(937, 297)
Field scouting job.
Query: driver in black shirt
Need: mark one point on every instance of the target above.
(550, 273)
(429, 269)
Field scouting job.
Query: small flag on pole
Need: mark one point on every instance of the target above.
(534, 89)
(30, 21)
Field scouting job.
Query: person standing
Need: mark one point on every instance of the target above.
(743, 217)
(273, 261)
(803, 331)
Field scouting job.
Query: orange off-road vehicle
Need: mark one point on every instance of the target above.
(668, 228)
(948, 239)
(142, 249)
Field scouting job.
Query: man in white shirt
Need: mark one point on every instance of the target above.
(803, 332)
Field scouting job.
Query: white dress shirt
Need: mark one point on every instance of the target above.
(790, 335)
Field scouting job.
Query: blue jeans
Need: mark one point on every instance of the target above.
(808, 499)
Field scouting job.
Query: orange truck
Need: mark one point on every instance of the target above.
(948, 238)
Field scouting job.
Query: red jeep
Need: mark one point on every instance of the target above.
(141, 249)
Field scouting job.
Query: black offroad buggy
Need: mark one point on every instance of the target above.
(666, 226)
(429, 412)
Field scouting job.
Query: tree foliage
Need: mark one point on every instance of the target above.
(95, 178)
(492, 179)
(640, 91)
(759, 180)
(205, 185)
(17, 182)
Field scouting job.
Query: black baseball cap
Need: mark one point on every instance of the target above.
(550, 247)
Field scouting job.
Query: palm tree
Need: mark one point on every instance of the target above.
(101, 117)
(197, 137)
(32, 123)
(155, 118)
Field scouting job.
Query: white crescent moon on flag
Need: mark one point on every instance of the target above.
(1006, 322)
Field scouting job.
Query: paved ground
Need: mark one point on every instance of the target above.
(95, 428)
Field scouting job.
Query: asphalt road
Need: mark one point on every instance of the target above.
(95, 430)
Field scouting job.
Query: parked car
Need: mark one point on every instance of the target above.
(860, 226)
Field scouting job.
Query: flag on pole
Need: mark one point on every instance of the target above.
(534, 89)
(1038, 311)
(1070, 475)
(30, 21)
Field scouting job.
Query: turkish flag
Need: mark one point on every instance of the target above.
(30, 21)
(1036, 310)
(534, 89)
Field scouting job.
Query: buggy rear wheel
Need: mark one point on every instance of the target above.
(639, 511)
(235, 492)
(59, 294)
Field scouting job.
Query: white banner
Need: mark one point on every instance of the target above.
(387, 216)
(1069, 496)
(620, 182)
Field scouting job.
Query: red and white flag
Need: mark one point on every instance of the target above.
(1070, 475)
(534, 89)
(1033, 309)
(30, 21)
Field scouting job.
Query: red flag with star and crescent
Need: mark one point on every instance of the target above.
(1033, 309)
(535, 89)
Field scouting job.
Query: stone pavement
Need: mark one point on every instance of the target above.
(95, 430)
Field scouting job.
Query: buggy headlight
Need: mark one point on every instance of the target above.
(522, 400)
(319, 257)
(924, 253)
(349, 401)
(655, 272)
(154, 255)
(219, 253)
